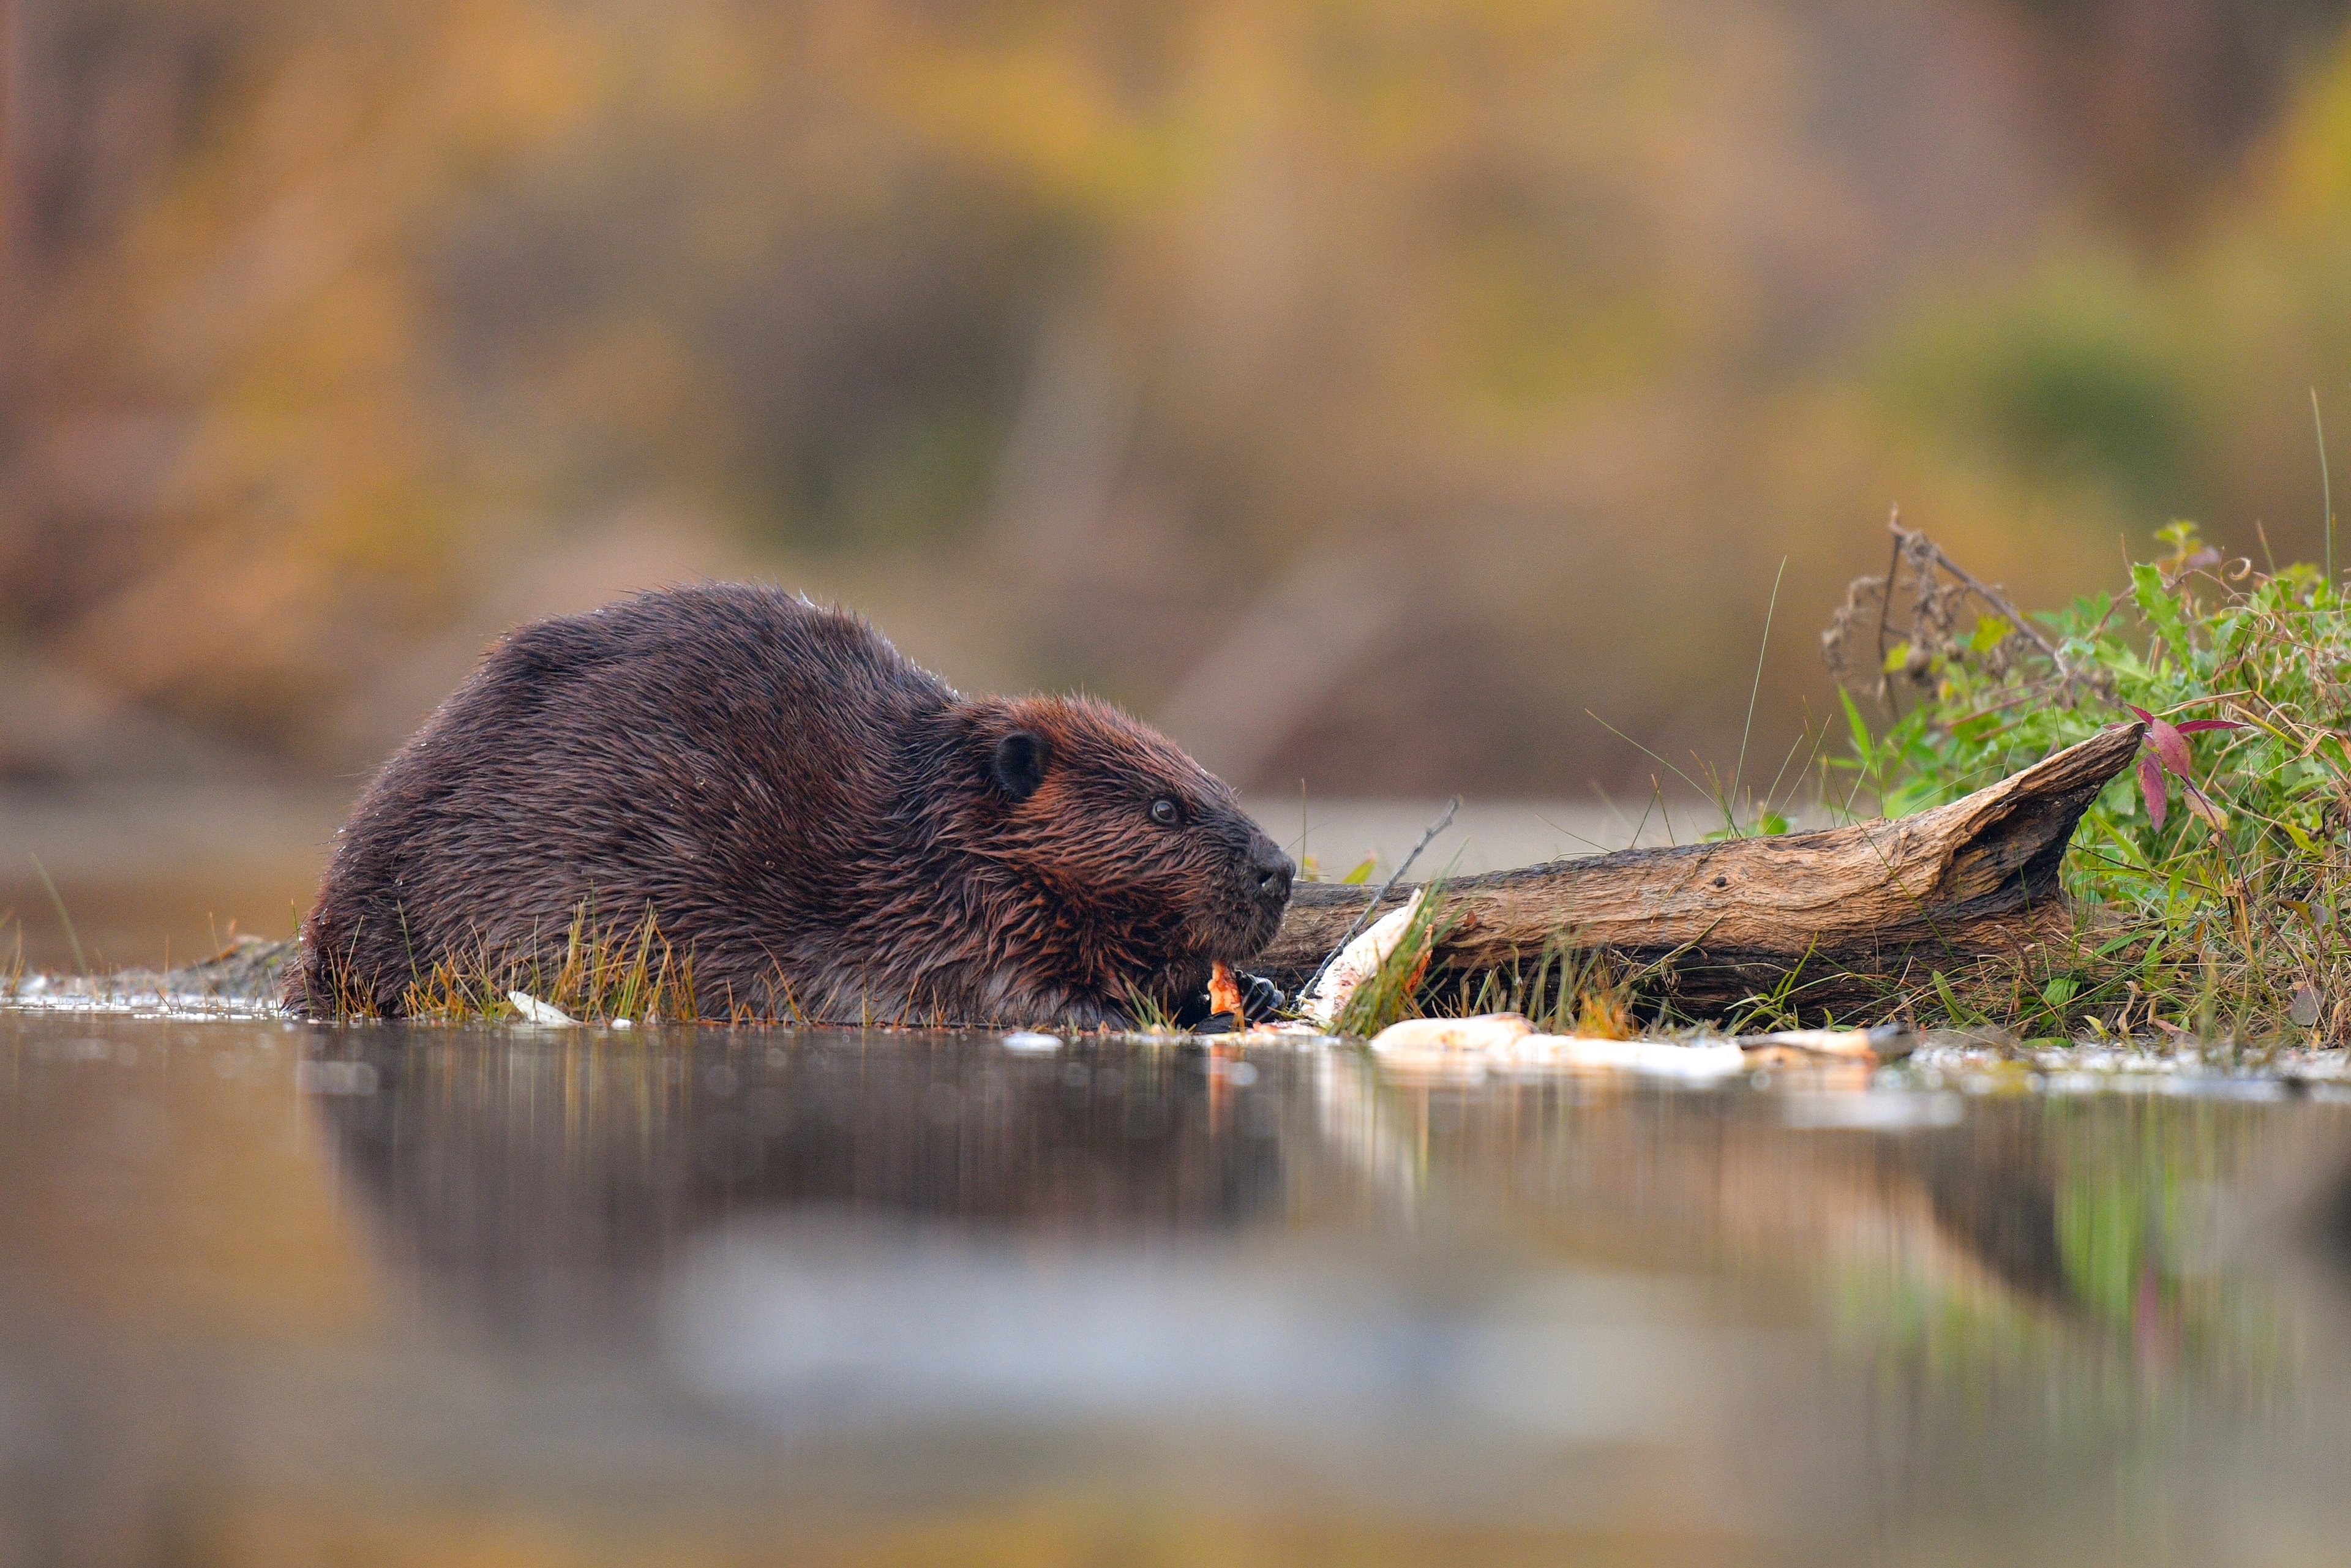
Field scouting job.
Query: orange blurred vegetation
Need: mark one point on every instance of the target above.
(1364, 389)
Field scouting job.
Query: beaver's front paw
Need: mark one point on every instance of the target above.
(1261, 1000)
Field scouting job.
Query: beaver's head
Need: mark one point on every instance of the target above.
(1143, 854)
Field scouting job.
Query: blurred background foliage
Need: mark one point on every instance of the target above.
(1363, 389)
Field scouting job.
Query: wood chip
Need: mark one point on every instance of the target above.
(1485, 1032)
(1225, 992)
(1359, 961)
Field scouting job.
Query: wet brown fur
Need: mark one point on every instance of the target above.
(830, 831)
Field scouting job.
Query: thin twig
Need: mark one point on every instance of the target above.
(1912, 540)
(2326, 486)
(1885, 608)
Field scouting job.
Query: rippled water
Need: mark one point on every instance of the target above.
(273, 1292)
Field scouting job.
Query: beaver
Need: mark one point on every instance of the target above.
(830, 831)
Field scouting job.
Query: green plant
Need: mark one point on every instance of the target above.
(1150, 1016)
(2226, 917)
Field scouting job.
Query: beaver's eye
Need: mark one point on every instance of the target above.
(1166, 812)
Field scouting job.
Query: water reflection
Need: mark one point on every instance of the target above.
(694, 1292)
(538, 1176)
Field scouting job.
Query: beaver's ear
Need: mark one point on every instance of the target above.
(1019, 765)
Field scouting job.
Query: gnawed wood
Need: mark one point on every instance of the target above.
(1849, 911)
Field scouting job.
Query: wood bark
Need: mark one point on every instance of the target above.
(1837, 918)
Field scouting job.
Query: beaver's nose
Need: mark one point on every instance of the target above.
(1274, 871)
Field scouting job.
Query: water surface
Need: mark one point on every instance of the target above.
(281, 1293)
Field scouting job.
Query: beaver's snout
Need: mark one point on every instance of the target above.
(1262, 875)
(1273, 870)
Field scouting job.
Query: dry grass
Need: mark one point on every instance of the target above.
(600, 972)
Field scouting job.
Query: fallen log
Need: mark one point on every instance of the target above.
(1851, 913)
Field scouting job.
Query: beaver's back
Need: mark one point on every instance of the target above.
(725, 754)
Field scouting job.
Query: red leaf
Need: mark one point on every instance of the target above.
(2170, 745)
(2193, 725)
(2150, 787)
(2145, 716)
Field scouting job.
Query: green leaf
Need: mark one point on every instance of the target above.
(1950, 1002)
(1362, 873)
(1861, 742)
(1895, 658)
(1974, 730)
(2156, 603)
(1992, 631)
